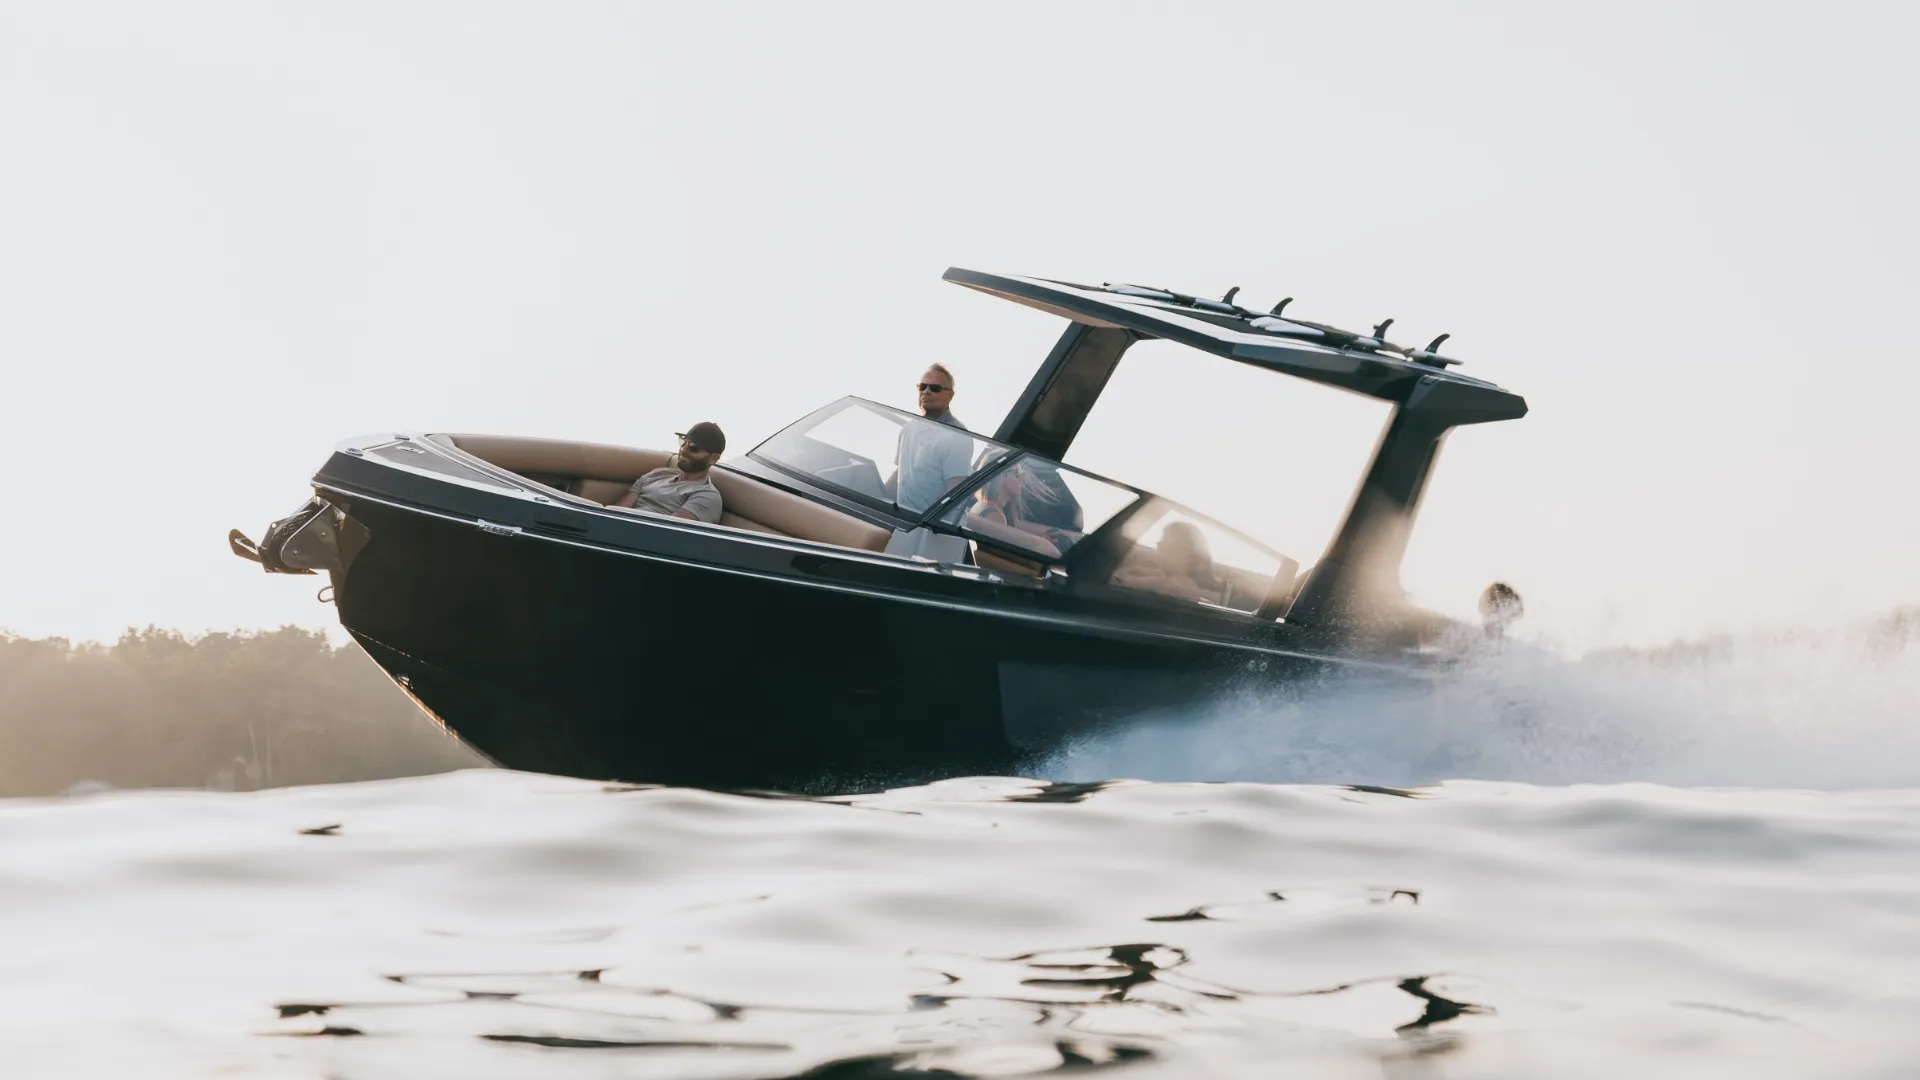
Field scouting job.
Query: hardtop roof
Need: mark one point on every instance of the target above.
(1361, 363)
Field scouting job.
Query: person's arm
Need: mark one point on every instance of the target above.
(1011, 535)
(1141, 570)
(1058, 537)
(703, 505)
(627, 501)
(956, 462)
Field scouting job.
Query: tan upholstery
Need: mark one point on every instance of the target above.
(787, 513)
(735, 521)
(604, 492)
(603, 473)
(591, 461)
(989, 559)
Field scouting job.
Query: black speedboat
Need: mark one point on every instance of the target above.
(829, 633)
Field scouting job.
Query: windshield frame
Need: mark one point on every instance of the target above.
(1131, 526)
(1098, 551)
(1085, 550)
(1090, 563)
(892, 510)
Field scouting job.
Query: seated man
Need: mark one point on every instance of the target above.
(682, 488)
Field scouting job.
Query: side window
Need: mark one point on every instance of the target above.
(864, 440)
(1038, 508)
(1190, 558)
(1297, 422)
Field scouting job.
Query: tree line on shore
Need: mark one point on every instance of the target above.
(1883, 638)
(246, 710)
(158, 708)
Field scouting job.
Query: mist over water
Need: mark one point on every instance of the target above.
(1826, 711)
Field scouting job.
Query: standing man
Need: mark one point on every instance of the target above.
(936, 396)
(683, 489)
(931, 459)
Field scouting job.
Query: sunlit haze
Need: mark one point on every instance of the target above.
(232, 235)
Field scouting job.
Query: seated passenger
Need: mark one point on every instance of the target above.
(683, 488)
(1181, 566)
(997, 513)
(1048, 501)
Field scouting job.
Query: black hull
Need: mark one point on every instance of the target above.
(784, 648)
(752, 664)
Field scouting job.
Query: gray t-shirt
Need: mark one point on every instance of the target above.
(929, 457)
(663, 492)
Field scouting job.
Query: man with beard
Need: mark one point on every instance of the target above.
(683, 489)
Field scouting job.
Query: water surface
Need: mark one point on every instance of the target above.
(1579, 921)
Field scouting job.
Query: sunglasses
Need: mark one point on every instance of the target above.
(688, 443)
(932, 387)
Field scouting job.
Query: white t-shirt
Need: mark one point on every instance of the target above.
(931, 456)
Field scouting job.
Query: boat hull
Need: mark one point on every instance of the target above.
(753, 665)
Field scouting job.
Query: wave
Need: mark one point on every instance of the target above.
(1828, 710)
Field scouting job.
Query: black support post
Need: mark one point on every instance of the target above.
(1360, 573)
(1061, 394)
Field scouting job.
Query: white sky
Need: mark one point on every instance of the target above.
(233, 234)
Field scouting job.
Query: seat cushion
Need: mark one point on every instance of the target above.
(989, 559)
(792, 515)
(591, 461)
(603, 474)
(729, 518)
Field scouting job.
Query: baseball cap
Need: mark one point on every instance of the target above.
(707, 436)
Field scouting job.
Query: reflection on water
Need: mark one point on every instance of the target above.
(499, 924)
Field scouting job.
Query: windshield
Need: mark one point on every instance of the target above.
(1038, 508)
(1174, 552)
(901, 461)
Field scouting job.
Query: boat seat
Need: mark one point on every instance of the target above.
(603, 473)
(558, 457)
(784, 512)
(989, 559)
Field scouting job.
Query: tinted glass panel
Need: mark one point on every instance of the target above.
(1188, 557)
(1269, 456)
(907, 462)
(1038, 508)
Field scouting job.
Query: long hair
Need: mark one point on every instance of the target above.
(1046, 498)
